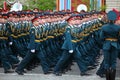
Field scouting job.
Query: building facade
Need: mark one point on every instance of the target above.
(110, 4)
(73, 4)
(91, 4)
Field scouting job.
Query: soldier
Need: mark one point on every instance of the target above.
(109, 34)
(34, 50)
(69, 50)
(4, 41)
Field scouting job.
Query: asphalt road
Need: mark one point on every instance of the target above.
(74, 74)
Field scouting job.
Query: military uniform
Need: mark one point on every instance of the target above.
(110, 34)
(5, 49)
(34, 51)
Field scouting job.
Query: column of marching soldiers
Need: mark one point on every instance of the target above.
(15, 38)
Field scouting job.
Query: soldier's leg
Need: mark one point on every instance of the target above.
(67, 64)
(80, 61)
(11, 57)
(113, 61)
(43, 61)
(101, 71)
(5, 62)
(24, 62)
(107, 63)
(62, 60)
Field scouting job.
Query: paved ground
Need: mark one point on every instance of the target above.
(74, 74)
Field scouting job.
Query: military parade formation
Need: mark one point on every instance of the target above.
(55, 40)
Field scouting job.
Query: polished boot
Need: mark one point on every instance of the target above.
(84, 74)
(57, 73)
(107, 74)
(9, 71)
(19, 72)
(112, 74)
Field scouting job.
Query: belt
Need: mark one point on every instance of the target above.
(44, 39)
(14, 36)
(74, 41)
(50, 36)
(5, 38)
(111, 39)
(38, 40)
(23, 34)
(27, 33)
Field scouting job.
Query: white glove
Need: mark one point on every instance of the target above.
(33, 50)
(100, 18)
(10, 43)
(70, 51)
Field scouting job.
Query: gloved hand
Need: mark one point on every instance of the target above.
(70, 51)
(100, 18)
(33, 50)
(10, 43)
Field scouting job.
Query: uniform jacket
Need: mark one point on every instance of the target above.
(33, 44)
(110, 31)
(67, 45)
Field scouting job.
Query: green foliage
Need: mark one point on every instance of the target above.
(1, 4)
(103, 8)
(40, 4)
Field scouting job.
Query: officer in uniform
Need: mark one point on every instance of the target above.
(109, 34)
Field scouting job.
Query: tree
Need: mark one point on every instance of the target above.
(40, 4)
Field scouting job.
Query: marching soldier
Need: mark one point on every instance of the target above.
(4, 42)
(34, 50)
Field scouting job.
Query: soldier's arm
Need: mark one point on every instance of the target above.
(32, 39)
(10, 38)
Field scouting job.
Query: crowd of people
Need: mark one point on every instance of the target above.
(53, 40)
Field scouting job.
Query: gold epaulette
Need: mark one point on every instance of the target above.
(5, 38)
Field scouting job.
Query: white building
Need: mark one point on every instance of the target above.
(110, 4)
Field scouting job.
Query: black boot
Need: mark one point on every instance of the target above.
(9, 71)
(112, 74)
(107, 74)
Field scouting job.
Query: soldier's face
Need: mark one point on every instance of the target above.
(36, 23)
